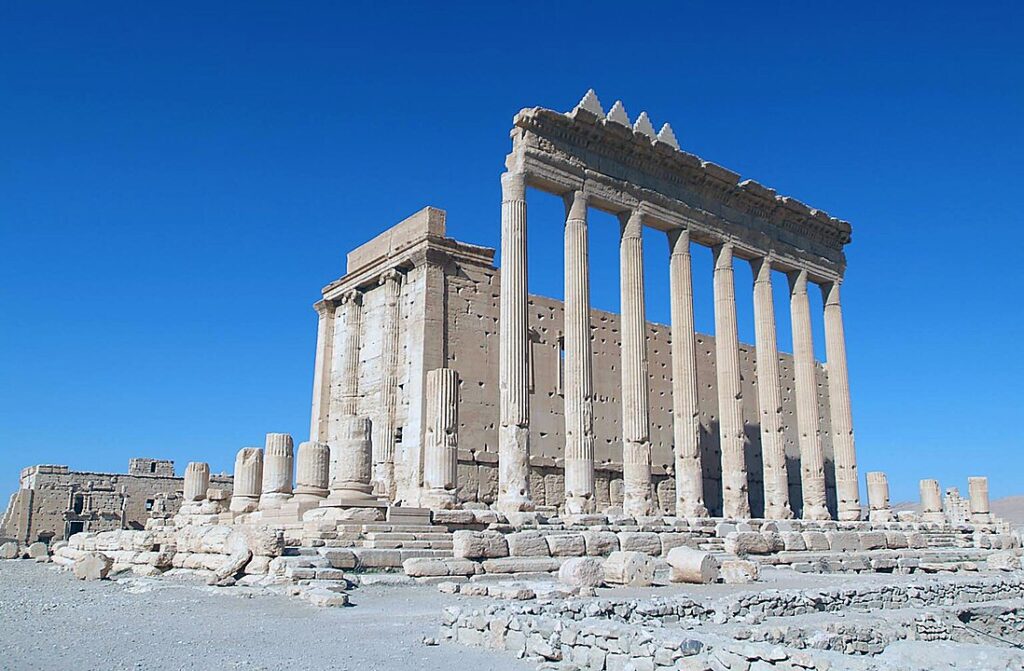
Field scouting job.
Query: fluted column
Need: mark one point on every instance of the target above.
(441, 442)
(513, 355)
(689, 472)
(769, 396)
(878, 497)
(812, 455)
(318, 423)
(735, 502)
(345, 363)
(384, 426)
(197, 481)
(312, 470)
(248, 480)
(977, 489)
(579, 383)
(931, 502)
(636, 439)
(278, 470)
(351, 471)
(840, 415)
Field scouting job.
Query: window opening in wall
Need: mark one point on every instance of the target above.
(149, 504)
(79, 504)
(152, 467)
(398, 436)
(560, 380)
(75, 528)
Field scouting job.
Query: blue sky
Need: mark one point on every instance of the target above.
(177, 183)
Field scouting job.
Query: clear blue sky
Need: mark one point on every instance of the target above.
(177, 183)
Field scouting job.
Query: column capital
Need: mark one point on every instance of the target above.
(679, 241)
(797, 281)
(723, 253)
(513, 186)
(762, 267)
(323, 307)
(632, 222)
(390, 275)
(354, 296)
(575, 205)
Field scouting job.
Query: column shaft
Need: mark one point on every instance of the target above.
(513, 358)
(636, 441)
(769, 396)
(384, 426)
(735, 502)
(345, 363)
(812, 455)
(579, 384)
(441, 451)
(689, 472)
(318, 423)
(840, 415)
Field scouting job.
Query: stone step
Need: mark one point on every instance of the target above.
(397, 536)
(386, 543)
(392, 558)
(400, 528)
(294, 551)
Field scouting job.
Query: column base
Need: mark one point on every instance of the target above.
(849, 514)
(691, 510)
(934, 518)
(883, 515)
(356, 496)
(577, 504)
(817, 512)
(777, 512)
(273, 500)
(440, 499)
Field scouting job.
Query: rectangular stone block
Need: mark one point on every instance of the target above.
(527, 544)
(478, 544)
(566, 545)
(640, 541)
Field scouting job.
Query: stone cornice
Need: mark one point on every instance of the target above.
(621, 168)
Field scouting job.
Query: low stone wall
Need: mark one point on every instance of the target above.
(649, 633)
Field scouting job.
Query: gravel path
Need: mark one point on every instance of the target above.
(49, 620)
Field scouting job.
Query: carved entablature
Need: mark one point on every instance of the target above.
(621, 168)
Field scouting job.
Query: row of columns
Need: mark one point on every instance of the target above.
(514, 447)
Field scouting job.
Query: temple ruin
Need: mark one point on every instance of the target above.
(473, 438)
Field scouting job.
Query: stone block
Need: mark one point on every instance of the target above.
(676, 539)
(895, 540)
(521, 565)
(38, 551)
(640, 541)
(339, 557)
(566, 545)
(1007, 560)
(478, 544)
(793, 541)
(739, 571)
(419, 567)
(692, 566)
(872, 540)
(635, 569)
(774, 541)
(600, 543)
(9, 551)
(743, 543)
(527, 544)
(816, 541)
(93, 566)
(582, 572)
(843, 541)
(916, 540)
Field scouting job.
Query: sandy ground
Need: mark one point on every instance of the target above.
(49, 620)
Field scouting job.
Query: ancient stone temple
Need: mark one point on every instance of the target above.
(561, 405)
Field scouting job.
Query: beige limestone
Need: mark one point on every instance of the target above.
(579, 383)
(318, 423)
(812, 456)
(689, 474)
(735, 502)
(634, 569)
(769, 396)
(582, 572)
(352, 466)
(692, 566)
(197, 480)
(513, 368)
(636, 440)
(977, 489)
(384, 437)
(847, 485)
(441, 444)
(931, 502)
(248, 480)
(878, 497)
(312, 470)
(278, 470)
(345, 364)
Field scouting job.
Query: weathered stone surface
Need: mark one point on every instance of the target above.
(582, 572)
(895, 540)
(566, 545)
(739, 571)
(527, 544)
(521, 565)
(600, 543)
(418, 567)
(9, 550)
(816, 541)
(793, 541)
(478, 544)
(843, 541)
(742, 543)
(93, 566)
(692, 566)
(1006, 560)
(38, 551)
(640, 541)
(872, 540)
(635, 569)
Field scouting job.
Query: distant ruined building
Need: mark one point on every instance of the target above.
(54, 502)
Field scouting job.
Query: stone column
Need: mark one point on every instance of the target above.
(931, 502)
(769, 396)
(735, 503)
(840, 416)
(977, 489)
(441, 444)
(579, 381)
(319, 418)
(689, 473)
(812, 455)
(345, 366)
(312, 470)
(197, 481)
(513, 356)
(352, 466)
(636, 438)
(278, 468)
(384, 433)
(248, 480)
(878, 497)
